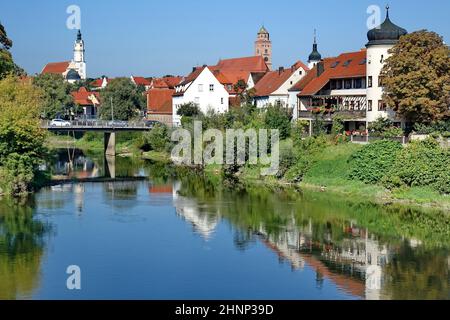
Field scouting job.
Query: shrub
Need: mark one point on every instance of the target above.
(299, 130)
(158, 138)
(188, 110)
(384, 127)
(421, 163)
(277, 117)
(372, 162)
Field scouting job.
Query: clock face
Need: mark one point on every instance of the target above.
(266, 59)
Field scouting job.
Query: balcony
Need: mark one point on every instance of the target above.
(329, 114)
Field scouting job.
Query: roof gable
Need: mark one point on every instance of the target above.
(56, 67)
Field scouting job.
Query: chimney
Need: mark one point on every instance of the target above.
(320, 68)
(280, 70)
(194, 68)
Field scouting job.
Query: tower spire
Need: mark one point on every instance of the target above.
(387, 11)
(315, 36)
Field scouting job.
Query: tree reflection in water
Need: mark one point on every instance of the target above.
(21, 249)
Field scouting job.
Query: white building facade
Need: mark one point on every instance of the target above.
(202, 88)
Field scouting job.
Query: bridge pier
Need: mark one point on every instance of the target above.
(110, 167)
(110, 143)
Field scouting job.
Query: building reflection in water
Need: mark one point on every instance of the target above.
(204, 222)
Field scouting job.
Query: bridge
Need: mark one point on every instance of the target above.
(109, 128)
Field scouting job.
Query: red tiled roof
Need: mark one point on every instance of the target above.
(303, 82)
(141, 81)
(160, 84)
(172, 81)
(272, 81)
(97, 83)
(251, 64)
(82, 97)
(56, 67)
(300, 64)
(355, 68)
(159, 101)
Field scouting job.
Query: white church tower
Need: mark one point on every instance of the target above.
(78, 57)
(381, 39)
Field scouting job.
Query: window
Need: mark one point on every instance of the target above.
(197, 100)
(381, 105)
(229, 87)
(347, 63)
(369, 82)
(266, 50)
(292, 83)
(338, 84)
(382, 59)
(358, 83)
(332, 84)
(363, 61)
(352, 105)
(211, 88)
(200, 88)
(335, 64)
(221, 100)
(357, 105)
(348, 83)
(380, 81)
(346, 105)
(369, 105)
(300, 72)
(257, 52)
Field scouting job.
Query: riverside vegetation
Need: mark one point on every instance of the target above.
(383, 171)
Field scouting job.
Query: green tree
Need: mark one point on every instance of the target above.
(277, 117)
(56, 95)
(189, 109)
(21, 137)
(416, 77)
(127, 100)
(7, 64)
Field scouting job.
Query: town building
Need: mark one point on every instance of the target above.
(141, 81)
(89, 101)
(99, 84)
(159, 99)
(350, 84)
(273, 88)
(263, 46)
(73, 70)
(215, 87)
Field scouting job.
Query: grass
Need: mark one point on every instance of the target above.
(330, 171)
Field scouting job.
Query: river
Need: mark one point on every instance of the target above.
(148, 234)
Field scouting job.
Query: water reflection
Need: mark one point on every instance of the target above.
(325, 236)
(21, 250)
(359, 249)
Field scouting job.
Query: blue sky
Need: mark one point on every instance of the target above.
(154, 37)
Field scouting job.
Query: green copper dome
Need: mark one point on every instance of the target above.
(386, 33)
(263, 30)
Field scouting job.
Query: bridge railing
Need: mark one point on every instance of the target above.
(93, 123)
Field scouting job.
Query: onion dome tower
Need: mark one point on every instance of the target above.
(381, 39)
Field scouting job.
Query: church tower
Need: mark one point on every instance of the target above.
(263, 46)
(78, 56)
(315, 57)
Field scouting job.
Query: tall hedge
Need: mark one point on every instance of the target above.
(422, 164)
(371, 163)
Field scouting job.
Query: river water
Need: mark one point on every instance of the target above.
(149, 235)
